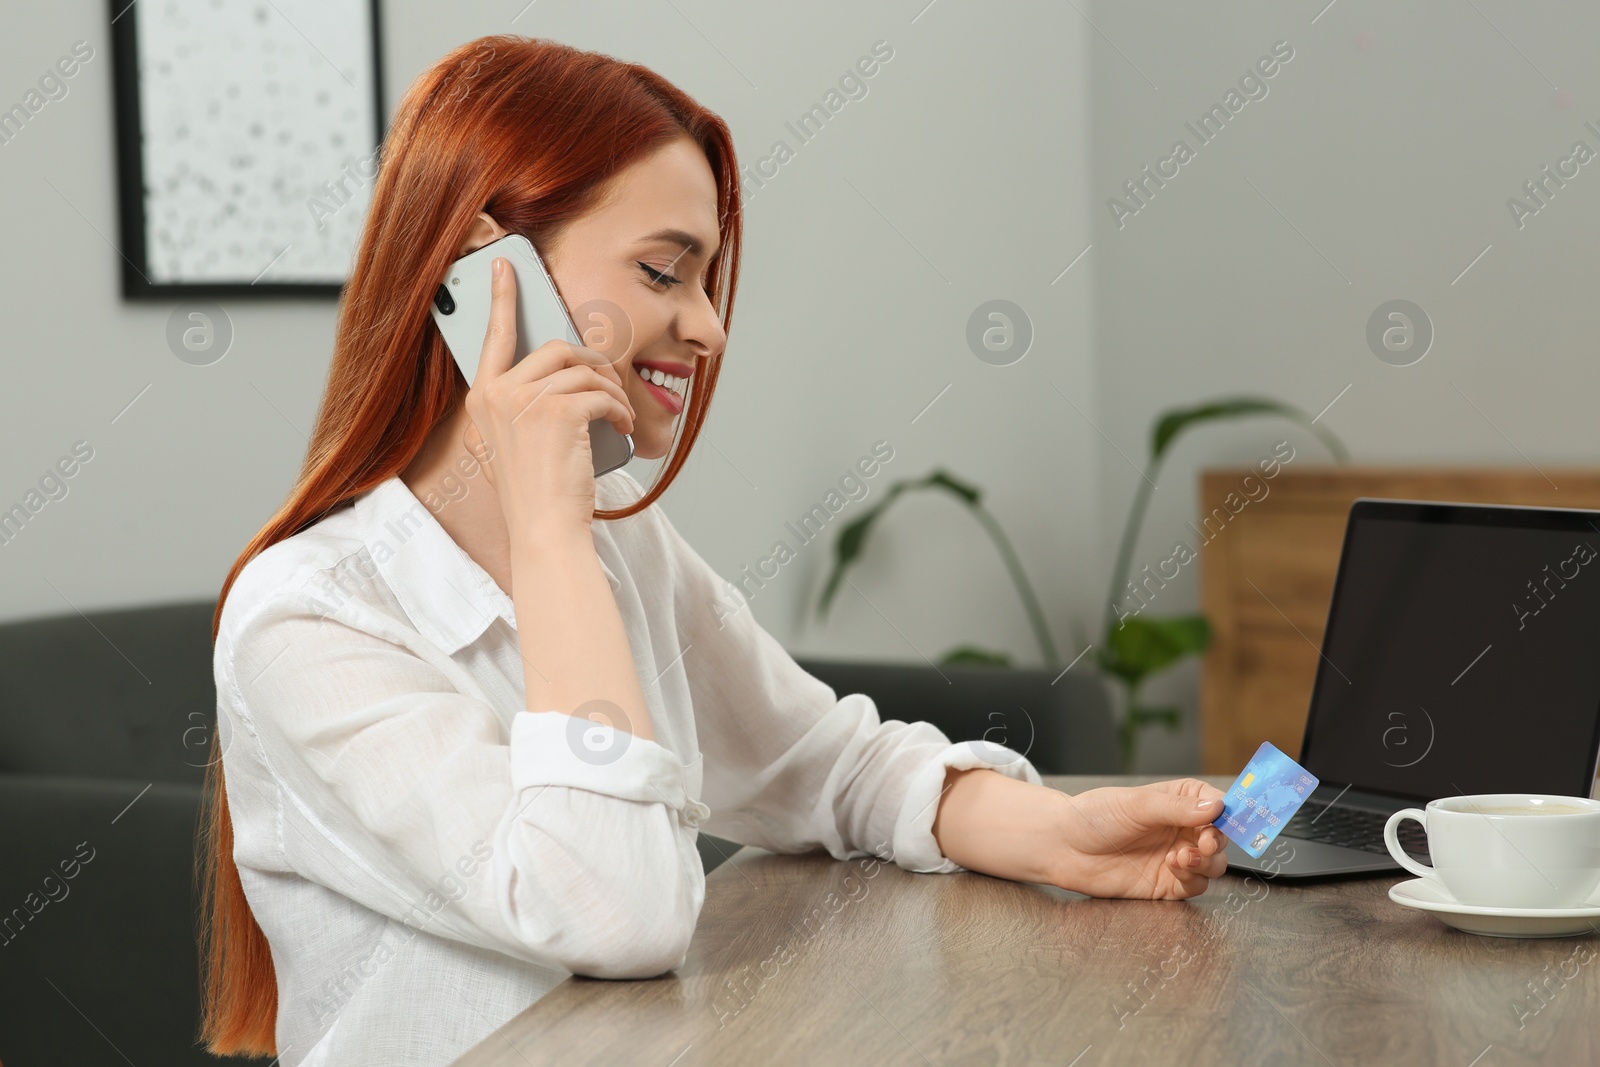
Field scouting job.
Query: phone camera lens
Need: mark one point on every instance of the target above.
(443, 301)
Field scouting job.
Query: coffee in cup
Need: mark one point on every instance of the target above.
(1507, 850)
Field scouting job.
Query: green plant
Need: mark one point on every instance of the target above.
(853, 541)
(1134, 649)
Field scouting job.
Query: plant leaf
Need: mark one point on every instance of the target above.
(944, 480)
(970, 655)
(1141, 646)
(852, 542)
(1176, 421)
(1170, 717)
(853, 538)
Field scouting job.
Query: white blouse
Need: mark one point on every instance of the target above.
(427, 856)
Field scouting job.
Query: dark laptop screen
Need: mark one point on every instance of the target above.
(1462, 653)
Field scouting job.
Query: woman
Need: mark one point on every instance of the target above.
(470, 735)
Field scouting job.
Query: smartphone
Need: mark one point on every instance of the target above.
(461, 308)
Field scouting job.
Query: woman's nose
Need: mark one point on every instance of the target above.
(705, 326)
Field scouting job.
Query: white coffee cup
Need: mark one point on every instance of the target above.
(1507, 850)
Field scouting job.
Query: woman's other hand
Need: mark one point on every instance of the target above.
(1152, 842)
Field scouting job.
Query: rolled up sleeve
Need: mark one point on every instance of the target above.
(790, 764)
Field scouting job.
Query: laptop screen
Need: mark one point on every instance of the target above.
(1462, 653)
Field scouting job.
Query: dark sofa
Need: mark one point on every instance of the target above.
(105, 729)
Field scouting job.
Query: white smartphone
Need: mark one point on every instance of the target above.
(461, 308)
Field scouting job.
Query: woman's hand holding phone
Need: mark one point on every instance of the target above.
(530, 421)
(530, 431)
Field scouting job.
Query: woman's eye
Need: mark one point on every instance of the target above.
(658, 277)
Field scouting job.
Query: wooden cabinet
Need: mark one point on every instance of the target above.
(1266, 575)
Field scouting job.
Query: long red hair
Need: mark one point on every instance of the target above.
(530, 131)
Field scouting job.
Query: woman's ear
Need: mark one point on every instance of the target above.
(484, 229)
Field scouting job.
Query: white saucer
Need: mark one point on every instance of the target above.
(1424, 894)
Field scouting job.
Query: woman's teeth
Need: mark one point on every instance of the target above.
(671, 383)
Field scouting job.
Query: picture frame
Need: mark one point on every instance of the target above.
(247, 140)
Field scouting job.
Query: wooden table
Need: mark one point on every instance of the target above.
(806, 959)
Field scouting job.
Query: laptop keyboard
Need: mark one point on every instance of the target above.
(1354, 828)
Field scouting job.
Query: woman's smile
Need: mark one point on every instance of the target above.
(667, 382)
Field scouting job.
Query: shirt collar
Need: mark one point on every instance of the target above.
(449, 598)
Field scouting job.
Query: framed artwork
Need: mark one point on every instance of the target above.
(247, 143)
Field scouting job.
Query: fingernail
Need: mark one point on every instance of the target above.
(498, 267)
(1205, 805)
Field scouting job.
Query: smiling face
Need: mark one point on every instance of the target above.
(632, 271)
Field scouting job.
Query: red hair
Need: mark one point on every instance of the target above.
(530, 131)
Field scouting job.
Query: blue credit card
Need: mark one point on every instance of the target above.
(1263, 799)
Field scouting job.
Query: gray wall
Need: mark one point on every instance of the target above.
(1387, 148)
(865, 256)
(978, 166)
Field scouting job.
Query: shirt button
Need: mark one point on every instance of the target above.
(695, 813)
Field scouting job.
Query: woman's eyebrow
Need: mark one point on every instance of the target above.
(689, 241)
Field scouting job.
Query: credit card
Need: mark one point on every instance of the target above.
(1265, 797)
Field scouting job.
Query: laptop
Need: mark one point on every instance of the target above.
(1461, 655)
